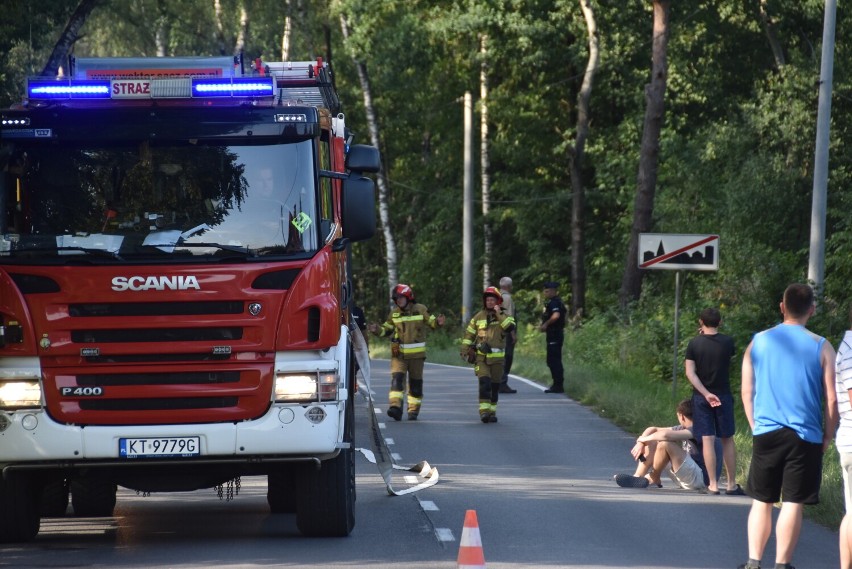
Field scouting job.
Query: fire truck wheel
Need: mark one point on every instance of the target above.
(92, 497)
(54, 498)
(280, 490)
(325, 498)
(19, 509)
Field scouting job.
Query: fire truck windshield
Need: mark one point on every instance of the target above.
(147, 201)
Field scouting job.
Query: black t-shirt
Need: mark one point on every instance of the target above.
(712, 354)
(555, 304)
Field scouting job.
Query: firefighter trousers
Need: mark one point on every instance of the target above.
(490, 375)
(412, 370)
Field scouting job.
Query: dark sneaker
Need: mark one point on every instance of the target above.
(485, 417)
(630, 481)
(554, 390)
(395, 413)
(506, 389)
(750, 566)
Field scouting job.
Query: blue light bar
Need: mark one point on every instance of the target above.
(68, 89)
(236, 87)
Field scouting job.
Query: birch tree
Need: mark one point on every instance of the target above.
(381, 179)
(485, 160)
(576, 154)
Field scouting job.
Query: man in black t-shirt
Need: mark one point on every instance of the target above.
(708, 362)
(553, 325)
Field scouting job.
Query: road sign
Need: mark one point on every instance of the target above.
(674, 251)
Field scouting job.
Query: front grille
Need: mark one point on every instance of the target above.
(156, 358)
(155, 308)
(160, 404)
(183, 378)
(156, 335)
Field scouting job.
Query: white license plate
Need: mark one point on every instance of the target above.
(159, 447)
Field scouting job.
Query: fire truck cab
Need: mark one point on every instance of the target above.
(175, 287)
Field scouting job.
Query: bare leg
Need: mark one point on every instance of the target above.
(846, 543)
(729, 457)
(642, 468)
(787, 530)
(667, 453)
(708, 444)
(759, 528)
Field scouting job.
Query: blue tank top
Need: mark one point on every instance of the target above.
(788, 381)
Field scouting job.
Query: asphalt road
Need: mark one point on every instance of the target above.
(540, 481)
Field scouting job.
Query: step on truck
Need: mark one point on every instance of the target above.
(175, 287)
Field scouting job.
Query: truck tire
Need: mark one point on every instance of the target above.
(54, 499)
(19, 509)
(93, 497)
(325, 498)
(281, 490)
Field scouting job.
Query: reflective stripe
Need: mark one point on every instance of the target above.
(414, 400)
(412, 346)
(415, 318)
(395, 395)
(485, 406)
(493, 407)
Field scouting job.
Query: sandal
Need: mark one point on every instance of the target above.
(735, 492)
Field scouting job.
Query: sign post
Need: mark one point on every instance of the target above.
(679, 252)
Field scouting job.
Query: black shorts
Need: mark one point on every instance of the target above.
(784, 466)
(713, 421)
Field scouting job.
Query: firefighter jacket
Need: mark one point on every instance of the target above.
(487, 334)
(407, 328)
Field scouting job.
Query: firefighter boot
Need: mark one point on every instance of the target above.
(493, 417)
(495, 395)
(395, 396)
(485, 399)
(415, 398)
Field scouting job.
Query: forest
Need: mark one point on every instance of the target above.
(593, 121)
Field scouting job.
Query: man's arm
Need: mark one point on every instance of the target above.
(827, 358)
(554, 316)
(693, 378)
(747, 390)
(667, 434)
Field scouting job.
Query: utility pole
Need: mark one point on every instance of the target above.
(467, 211)
(816, 262)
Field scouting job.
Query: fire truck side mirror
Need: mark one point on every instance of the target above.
(363, 158)
(359, 208)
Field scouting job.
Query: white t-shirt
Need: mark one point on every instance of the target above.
(843, 383)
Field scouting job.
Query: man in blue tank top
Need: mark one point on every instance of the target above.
(787, 373)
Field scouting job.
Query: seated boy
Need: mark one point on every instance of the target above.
(673, 447)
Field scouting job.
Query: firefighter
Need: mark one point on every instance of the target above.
(484, 345)
(406, 326)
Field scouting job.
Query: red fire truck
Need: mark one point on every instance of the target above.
(175, 287)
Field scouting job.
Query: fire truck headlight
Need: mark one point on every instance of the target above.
(20, 394)
(305, 388)
(295, 388)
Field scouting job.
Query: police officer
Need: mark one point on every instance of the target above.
(553, 325)
(484, 344)
(406, 326)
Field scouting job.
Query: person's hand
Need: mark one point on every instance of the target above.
(542, 328)
(514, 336)
(441, 319)
(637, 450)
(713, 400)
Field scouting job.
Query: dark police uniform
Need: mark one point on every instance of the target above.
(555, 336)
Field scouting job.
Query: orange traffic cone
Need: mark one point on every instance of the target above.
(471, 555)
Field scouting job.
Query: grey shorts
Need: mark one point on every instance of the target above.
(689, 476)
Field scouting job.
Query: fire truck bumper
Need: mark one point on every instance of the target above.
(311, 429)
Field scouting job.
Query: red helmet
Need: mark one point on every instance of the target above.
(492, 291)
(403, 290)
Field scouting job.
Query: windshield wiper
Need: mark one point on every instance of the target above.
(100, 253)
(245, 251)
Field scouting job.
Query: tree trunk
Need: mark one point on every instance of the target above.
(576, 155)
(242, 33)
(643, 207)
(220, 26)
(769, 29)
(373, 127)
(288, 30)
(69, 35)
(485, 161)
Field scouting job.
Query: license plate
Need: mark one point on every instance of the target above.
(159, 447)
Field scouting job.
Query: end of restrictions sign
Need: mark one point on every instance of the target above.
(677, 251)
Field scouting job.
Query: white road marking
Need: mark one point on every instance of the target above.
(444, 534)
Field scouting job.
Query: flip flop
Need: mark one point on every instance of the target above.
(735, 492)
